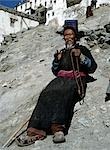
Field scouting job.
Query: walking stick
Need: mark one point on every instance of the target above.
(13, 137)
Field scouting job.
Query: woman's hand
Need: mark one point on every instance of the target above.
(58, 55)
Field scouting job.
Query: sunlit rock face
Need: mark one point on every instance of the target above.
(72, 2)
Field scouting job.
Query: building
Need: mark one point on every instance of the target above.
(12, 21)
(54, 9)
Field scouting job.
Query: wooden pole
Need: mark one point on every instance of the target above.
(14, 135)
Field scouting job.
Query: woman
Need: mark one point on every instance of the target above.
(54, 110)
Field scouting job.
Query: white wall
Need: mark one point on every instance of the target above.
(19, 25)
(57, 8)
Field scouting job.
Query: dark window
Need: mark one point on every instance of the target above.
(25, 6)
(21, 6)
(45, 3)
(12, 21)
(50, 1)
(35, 1)
(37, 14)
(54, 1)
(30, 4)
(52, 13)
(42, 13)
(32, 11)
(48, 15)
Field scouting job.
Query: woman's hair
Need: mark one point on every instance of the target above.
(72, 28)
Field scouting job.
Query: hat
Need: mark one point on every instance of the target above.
(71, 24)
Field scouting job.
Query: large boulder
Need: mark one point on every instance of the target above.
(107, 27)
(72, 2)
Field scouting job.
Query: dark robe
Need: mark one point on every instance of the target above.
(89, 12)
(56, 102)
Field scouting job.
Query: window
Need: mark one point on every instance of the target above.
(42, 13)
(50, 1)
(35, 1)
(21, 7)
(48, 15)
(54, 1)
(37, 14)
(30, 4)
(25, 6)
(53, 13)
(12, 21)
(45, 3)
(32, 11)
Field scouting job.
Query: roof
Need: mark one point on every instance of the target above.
(15, 12)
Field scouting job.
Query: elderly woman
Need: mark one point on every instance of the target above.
(54, 110)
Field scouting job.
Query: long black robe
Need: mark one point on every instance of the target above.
(56, 102)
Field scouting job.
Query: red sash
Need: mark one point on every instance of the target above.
(70, 74)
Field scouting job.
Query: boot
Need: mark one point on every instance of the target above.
(59, 137)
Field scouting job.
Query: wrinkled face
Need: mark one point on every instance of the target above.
(69, 37)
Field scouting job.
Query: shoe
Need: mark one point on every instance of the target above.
(59, 137)
(28, 140)
(25, 141)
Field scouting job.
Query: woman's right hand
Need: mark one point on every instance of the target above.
(58, 55)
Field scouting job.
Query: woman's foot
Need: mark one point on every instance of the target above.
(32, 136)
(59, 137)
(25, 141)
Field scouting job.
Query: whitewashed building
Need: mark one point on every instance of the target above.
(12, 21)
(55, 8)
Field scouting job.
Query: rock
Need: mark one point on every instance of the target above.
(107, 40)
(91, 44)
(93, 37)
(107, 27)
(97, 50)
(4, 85)
(15, 40)
(106, 123)
(13, 35)
(7, 38)
(104, 46)
(103, 109)
(83, 121)
(1, 51)
(108, 59)
(101, 40)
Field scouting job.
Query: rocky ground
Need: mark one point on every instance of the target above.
(25, 69)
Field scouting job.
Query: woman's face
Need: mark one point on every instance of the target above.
(69, 37)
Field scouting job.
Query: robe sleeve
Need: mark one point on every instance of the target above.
(89, 62)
